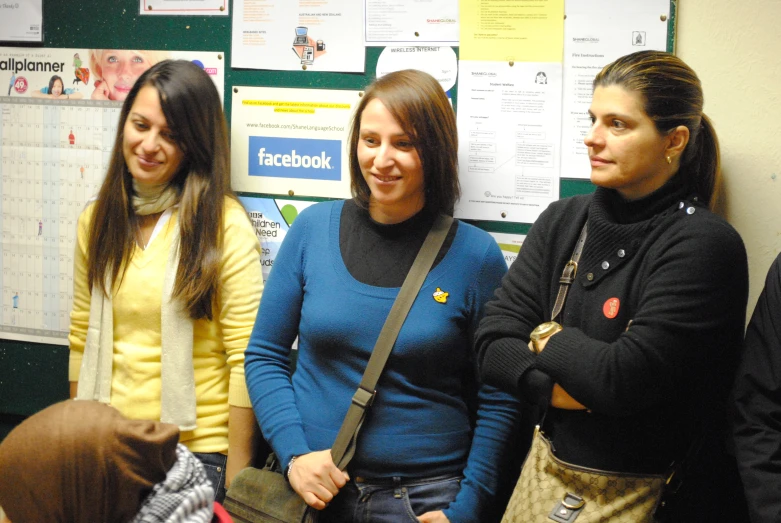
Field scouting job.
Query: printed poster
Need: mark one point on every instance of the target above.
(21, 21)
(596, 33)
(89, 74)
(439, 62)
(271, 219)
(509, 128)
(291, 141)
(517, 30)
(411, 22)
(295, 35)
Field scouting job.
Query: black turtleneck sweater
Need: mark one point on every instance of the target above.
(381, 254)
(652, 326)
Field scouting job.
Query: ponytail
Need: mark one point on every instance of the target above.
(702, 163)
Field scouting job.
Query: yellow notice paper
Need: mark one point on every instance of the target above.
(512, 30)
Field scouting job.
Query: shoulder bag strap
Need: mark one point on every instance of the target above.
(344, 446)
(568, 276)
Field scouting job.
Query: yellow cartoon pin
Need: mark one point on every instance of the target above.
(440, 296)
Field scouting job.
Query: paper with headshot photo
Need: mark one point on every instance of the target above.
(21, 21)
(509, 139)
(596, 32)
(519, 31)
(296, 35)
(291, 141)
(184, 7)
(411, 22)
(439, 62)
(510, 244)
(56, 145)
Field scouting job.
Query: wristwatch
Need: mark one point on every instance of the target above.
(290, 467)
(542, 331)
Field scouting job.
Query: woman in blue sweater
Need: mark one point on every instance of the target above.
(435, 440)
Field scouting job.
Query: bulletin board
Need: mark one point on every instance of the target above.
(32, 375)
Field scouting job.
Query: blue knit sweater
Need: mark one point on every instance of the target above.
(419, 424)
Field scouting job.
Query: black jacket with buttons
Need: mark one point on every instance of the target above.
(652, 329)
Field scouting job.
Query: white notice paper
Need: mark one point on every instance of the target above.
(21, 21)
(509, 139)
(439, 62)
(294, 35)
(411, 22)
(291, 141)
(596, 32)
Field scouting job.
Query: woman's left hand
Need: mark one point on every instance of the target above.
(434, 517)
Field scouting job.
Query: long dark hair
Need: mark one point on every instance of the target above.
(673, 96)
(193, 111)
(418, 103)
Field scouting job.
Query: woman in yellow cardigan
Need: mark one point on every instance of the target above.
(167, 276)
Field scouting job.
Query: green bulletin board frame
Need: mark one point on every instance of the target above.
(34, 376)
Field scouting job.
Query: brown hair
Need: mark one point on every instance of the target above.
(673, 96)
(418, 103)
(193, 111)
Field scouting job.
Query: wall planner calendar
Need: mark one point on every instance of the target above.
(54, 157)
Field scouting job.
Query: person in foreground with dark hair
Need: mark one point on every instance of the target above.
(635, 372)
(339, 270)
(82, 461)
(167, 275)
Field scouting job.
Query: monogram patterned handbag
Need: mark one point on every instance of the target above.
(550, 489)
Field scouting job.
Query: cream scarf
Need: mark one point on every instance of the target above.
(177, 373)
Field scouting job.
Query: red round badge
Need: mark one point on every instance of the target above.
(20, 85)
(610, 308)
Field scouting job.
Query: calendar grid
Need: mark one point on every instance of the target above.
(54, 157)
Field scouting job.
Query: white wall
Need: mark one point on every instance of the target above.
(735, 48)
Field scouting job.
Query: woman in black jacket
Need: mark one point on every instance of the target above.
(636, 374)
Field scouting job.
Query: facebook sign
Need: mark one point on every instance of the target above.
(295, 158)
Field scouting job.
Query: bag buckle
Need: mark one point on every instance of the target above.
(569, 272)
(364, 398)
(674, 480)
(568, 509)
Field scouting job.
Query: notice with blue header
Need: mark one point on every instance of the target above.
(291, 141)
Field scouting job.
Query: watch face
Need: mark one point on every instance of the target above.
(544, 330)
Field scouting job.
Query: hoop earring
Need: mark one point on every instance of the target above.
(669, 160)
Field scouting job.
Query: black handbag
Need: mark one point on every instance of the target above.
(264, 495)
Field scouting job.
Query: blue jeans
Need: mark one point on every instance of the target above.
(391, 500)
(214, 464)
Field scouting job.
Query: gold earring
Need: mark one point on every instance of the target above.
(669, 160)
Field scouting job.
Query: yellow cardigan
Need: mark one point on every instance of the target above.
(218, 345)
